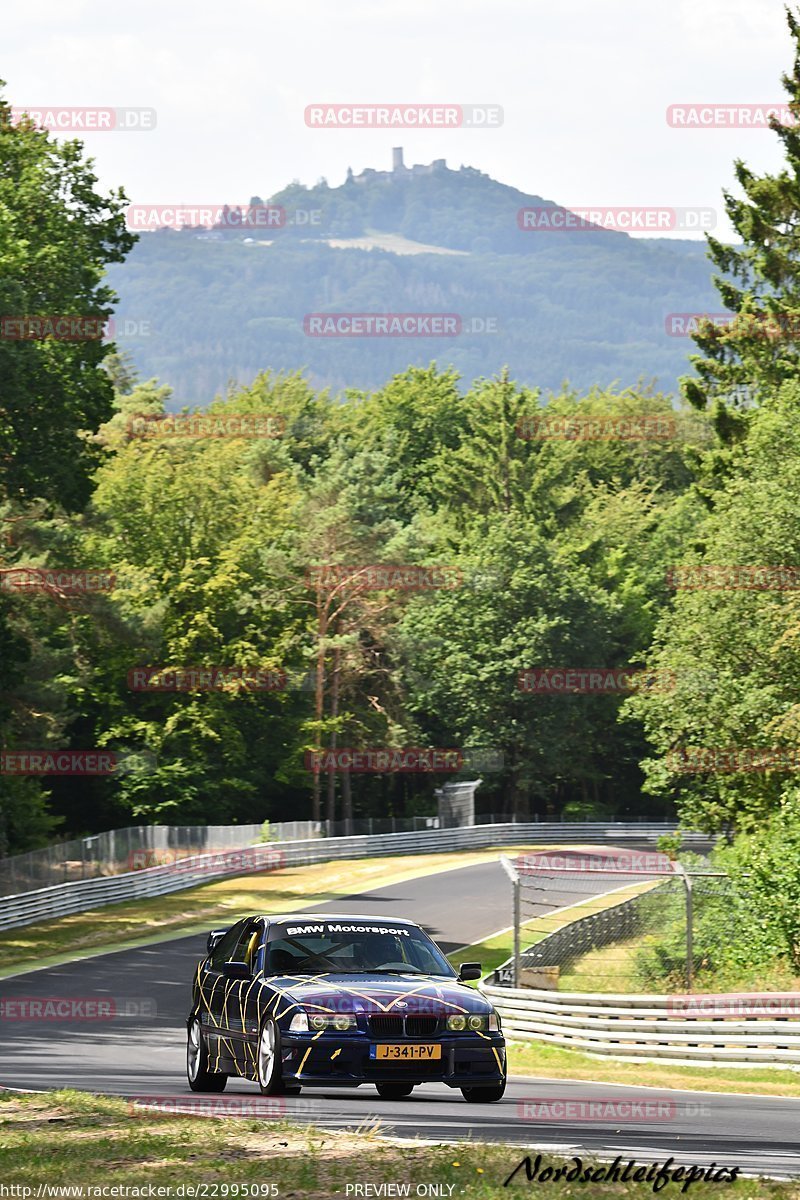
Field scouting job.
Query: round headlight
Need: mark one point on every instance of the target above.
(475, 1022)
(342, 1022)
(318, 1022)
(456, 1022)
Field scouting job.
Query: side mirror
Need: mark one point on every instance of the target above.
(214, 938)
(468, 971)
(236, 970)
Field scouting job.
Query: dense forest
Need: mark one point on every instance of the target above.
(588, 306)
(222, 549)
(405, 568)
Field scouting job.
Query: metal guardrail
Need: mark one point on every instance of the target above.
(116, 851)
(647, 1028)
(81, 895)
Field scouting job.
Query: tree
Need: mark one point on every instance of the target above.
(759, 282)
(733, 648)
(347, 520)
(57, 235)
(415, 419)
(493, 467)
(525, 603)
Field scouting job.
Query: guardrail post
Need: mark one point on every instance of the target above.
(516, 931)
(687, 886)
(513, 875)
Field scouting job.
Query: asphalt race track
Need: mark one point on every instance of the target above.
(140, 1053)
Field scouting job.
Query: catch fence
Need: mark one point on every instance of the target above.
(615, 921)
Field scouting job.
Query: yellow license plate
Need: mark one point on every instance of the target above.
(404, 1053)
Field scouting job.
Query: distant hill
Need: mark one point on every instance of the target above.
(200, 310)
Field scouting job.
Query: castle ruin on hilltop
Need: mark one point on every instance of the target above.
(399, 169)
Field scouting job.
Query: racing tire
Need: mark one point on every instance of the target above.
(394, 1091)
(268, 1062)
(484, 1095)
(197, 1072)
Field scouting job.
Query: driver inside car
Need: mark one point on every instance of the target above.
(280, 962)
(380, 950)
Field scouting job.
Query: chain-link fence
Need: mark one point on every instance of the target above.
(616, 921)
(120, 850)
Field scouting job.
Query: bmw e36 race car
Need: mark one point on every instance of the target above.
(324, 1000)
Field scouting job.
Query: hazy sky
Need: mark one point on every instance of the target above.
(584, 87)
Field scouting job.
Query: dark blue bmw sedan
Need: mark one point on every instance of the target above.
(322, 1000)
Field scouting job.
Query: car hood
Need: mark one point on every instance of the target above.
(403, 995)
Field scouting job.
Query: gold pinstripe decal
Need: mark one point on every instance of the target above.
(223, 1024)
(280, 994)
(243, 998)
(308, 1051)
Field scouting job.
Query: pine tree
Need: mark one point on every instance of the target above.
(743, 362)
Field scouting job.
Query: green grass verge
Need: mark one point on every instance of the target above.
(69, 1138)
(555, 1062)
(616, 968)
(493, 951)
(608, 969)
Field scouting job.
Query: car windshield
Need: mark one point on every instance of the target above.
(353, 949)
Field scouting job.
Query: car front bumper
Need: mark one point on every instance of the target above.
(465, 1061)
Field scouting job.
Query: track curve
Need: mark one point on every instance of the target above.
(140, 1052)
